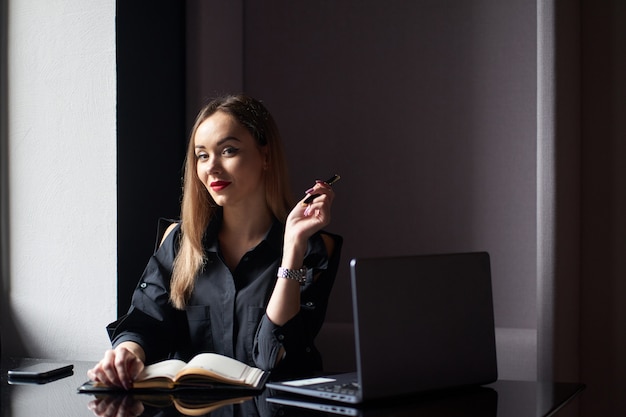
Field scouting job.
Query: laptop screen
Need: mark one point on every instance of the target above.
(423, 322)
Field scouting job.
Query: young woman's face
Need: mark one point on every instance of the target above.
(229, 162)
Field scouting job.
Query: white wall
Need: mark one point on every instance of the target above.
(62, 178)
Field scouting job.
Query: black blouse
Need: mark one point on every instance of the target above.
(226, 311)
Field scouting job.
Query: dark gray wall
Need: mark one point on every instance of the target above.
(603, 226)
(427, 109)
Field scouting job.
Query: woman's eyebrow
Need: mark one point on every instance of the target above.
(226, 139)
(220, 142)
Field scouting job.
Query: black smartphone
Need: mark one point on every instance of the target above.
(41, 371)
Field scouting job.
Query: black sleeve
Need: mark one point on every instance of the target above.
(152, 321)
(297, 336)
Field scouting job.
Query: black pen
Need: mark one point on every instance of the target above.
(329, 181)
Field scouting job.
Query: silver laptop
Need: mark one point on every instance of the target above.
(421, 323)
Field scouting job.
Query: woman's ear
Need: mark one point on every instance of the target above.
(266, 158)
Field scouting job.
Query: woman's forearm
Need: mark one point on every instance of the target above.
(284, 303)
(135, 348)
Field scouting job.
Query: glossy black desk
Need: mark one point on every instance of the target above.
(503, 398)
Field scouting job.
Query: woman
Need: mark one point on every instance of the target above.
(245, 273)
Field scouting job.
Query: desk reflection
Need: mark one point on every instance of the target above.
(60, 398)
(468, 402)
(181, 404)
(118, 405)
(475, 401)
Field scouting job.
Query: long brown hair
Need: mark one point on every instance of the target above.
(198, 207)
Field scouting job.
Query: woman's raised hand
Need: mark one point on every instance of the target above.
(312, 213)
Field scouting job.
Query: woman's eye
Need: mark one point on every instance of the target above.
(230, 151)
(201, 156)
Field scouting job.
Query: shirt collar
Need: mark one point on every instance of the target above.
(273, 237)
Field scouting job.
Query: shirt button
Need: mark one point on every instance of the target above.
(310, 304)
(281, 337)
(143, 285)
(308, 350)
(245, 258)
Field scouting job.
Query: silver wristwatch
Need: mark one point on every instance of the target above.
(295, 274)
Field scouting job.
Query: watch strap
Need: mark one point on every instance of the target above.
(295, 274)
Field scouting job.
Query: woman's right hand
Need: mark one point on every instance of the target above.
(120, 366)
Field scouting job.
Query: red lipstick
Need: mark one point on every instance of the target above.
(219, 185)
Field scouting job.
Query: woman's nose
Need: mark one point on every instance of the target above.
(213, 165)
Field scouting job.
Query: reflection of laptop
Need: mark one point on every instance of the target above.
(420, 323)
(471, 401)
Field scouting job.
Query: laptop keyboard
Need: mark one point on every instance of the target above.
(351, 388)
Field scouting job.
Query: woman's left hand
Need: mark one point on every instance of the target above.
(307, 219)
